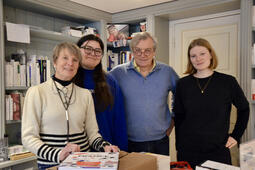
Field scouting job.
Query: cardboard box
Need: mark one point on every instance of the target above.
(137, 161)
(133, 161)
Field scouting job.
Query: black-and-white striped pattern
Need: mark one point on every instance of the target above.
(48, 153)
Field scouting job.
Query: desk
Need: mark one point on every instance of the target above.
(163, 162)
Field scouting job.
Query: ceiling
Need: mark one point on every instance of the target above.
(115, 6)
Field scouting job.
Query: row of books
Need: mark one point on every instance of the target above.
(14, 104)
(35, 71)
(115, 59)
(118, 43)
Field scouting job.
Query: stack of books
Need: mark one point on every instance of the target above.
(18, 152)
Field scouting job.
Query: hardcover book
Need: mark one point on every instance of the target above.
(91, 160)
(16, 106)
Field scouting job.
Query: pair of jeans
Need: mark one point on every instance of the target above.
(44, 167)
(158, 146)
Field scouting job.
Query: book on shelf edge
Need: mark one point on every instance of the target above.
(16, 106)
(91, 160)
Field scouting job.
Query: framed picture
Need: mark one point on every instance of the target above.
(116, 32)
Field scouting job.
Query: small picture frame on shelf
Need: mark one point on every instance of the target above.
(143, 26)
(117, 34)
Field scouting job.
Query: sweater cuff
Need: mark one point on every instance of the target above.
(104, 143)
(235, 137)
(49, 153)
(58, 156)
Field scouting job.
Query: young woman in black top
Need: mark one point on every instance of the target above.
(202, 109)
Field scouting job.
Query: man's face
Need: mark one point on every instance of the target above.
(144, 52)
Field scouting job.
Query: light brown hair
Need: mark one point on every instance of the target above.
(204, 43)
(71, 47)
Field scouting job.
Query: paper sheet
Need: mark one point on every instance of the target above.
(220, 166)
(201, 168)
(18, 32)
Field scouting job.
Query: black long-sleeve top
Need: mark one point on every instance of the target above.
(202, 119)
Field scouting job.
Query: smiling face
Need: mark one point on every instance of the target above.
(66, 65)
(200, 58)
(144, 52)
(91, 54)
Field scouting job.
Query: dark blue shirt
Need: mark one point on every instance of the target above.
(112, 121)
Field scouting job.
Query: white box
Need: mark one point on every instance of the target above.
(247, 155)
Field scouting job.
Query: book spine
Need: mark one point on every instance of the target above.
(16, 106)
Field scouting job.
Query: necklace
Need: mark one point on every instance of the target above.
(65, 104)
(205, 86)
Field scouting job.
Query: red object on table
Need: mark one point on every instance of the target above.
(181, 165)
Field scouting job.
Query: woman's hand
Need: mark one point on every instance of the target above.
(111, 148)
(67, 150)
(231, 142)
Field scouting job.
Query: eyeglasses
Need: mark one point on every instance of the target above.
(139, 51)
(89, 50)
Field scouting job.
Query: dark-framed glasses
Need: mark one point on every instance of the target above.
(146, 51)
(89, 50)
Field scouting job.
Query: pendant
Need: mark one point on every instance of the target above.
(202, 91)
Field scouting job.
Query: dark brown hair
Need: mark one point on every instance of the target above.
(103, 96)
(204, 43)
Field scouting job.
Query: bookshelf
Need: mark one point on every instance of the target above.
(253, 54)
(45, 32)
(19, 88)
(119, 54)
(52, 35)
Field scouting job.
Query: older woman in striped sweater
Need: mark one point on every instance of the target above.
(58, 116)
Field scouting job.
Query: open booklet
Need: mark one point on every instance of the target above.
(88, 160)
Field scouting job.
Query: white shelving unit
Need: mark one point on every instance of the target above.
(7, 164)
(51, 35)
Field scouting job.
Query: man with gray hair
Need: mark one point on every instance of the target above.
(145, 84)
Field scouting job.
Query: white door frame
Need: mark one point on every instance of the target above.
(172, 25)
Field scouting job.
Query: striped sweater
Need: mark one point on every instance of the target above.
(44, 125)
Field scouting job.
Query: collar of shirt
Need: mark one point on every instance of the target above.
(138, 68)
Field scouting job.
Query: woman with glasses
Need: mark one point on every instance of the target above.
(58, 116)
(105, 91)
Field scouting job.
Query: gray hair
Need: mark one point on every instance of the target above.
(142, 36)
(71, 47)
